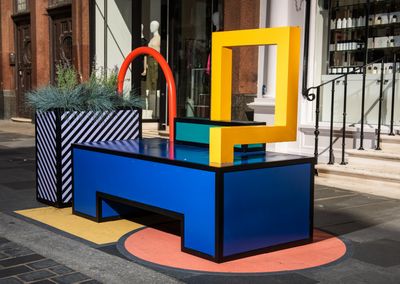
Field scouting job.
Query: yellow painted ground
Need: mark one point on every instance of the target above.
(64, 220)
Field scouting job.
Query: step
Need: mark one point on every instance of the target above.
(379, 188)
(381, 161)
(390, 143)
(363, 172)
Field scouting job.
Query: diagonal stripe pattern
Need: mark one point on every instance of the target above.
(46, 156)
(77, 127)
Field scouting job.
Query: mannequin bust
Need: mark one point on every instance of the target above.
(155, 42)
(215, 20)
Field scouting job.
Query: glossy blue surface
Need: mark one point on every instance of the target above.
(187, 191)
(266, 207)
(161, 148)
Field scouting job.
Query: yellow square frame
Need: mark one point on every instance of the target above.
(223, 139)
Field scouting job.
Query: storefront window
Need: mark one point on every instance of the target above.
(59, 2)
(180, 30)
(22, 6)
(192, 22)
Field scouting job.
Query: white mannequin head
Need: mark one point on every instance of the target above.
(215, 20)
(154, 25)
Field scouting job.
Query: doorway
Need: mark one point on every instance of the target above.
(60, 38)
(24, 65)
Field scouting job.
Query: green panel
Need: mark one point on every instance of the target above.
(191, 132)
(199, 133)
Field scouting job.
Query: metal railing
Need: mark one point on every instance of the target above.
(314, 93)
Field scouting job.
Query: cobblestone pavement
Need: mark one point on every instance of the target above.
(19, 264)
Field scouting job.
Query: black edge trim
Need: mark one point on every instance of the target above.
(231, 168)
(54, 204)
(243, 149)
(267, 249)
(58, 158)
(312, 185)
(218, 122)
(219, 216)
(100, 196)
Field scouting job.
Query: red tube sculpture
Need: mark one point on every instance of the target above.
(168, 76)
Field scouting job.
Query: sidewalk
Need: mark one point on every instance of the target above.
(370, 225)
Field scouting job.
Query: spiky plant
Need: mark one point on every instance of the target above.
(97, 94)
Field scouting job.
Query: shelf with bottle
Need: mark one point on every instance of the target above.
(347, 46)
(378, 20)
(355, 69)
(361, 4)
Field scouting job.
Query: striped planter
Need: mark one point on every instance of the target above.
(57, 130)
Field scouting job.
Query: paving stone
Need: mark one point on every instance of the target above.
(18, 185)
(46, 281)
(383, 252)
(61, 269)
(91, 282)
(261, 279)
(9, 245)
(36, 275)
(370, 277)
(45, 263)
(70, 278)
(10, 280)
(6, 272)
(18, 252)
(20, 260)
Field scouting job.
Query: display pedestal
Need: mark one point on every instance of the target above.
(261, 202)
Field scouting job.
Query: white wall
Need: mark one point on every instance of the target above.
(119, 36)
(277, 13)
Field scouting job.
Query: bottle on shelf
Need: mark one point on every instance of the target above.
(339, 23)
(349, 22)
(344, 23)
(360, 21)
(333, 24)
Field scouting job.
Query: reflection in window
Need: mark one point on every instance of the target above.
(58, 2)
(21, 6)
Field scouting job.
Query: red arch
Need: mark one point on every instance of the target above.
(168, 76)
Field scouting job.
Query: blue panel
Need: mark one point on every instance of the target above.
(178, 189)
(266, 207)
(161, 148)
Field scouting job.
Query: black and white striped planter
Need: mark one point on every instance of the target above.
(57, 130)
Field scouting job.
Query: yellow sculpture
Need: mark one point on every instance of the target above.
(223, 139)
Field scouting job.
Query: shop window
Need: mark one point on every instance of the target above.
(53, 3)
(21, 6)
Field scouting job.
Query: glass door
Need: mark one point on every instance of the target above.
(181, 31)
(191, 23)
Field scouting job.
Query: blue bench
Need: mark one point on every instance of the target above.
(262, 202)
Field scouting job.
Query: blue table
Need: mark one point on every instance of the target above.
(262, 202)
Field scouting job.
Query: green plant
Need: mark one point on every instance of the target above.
(67, 77)
(97, 94)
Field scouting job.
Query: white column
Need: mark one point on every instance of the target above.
(277, 13)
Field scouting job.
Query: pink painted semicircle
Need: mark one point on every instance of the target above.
(164, 249)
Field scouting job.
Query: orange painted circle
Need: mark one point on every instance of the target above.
(164, 249)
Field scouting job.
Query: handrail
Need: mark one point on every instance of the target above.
(311, 97)
(317, 95)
